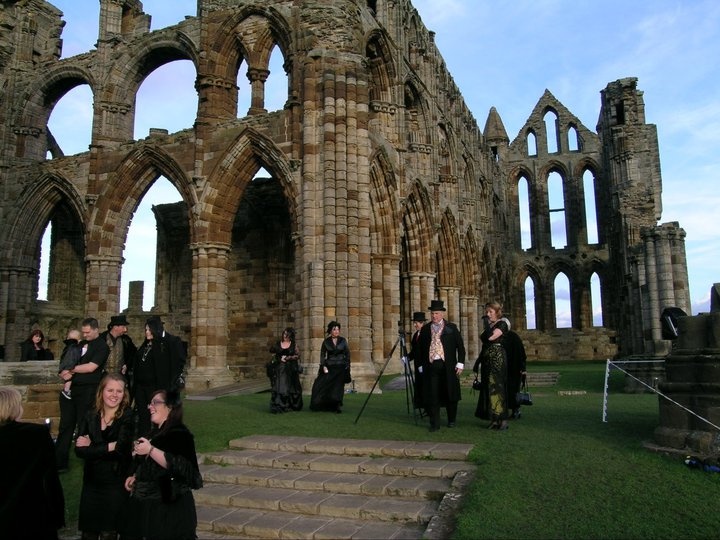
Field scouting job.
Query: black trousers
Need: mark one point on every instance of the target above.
(71, 412)
(438, 394)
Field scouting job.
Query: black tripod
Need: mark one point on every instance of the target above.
(408, 376)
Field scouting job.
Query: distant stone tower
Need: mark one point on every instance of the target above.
(383, 192)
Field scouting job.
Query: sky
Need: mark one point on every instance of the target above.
(502, 55)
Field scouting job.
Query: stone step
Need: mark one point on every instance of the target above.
(219, 522)
(411, 486)
(302, 487)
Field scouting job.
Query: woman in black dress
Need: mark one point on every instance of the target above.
(104, 442)
(161, 505)
(284, 372)
(329, 386)
(32, 348)
(492, 402)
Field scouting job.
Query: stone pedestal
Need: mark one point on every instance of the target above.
(692, 379)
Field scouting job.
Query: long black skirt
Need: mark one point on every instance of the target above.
(328, 389)
(286, 391)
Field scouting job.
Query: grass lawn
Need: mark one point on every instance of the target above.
(559, 472)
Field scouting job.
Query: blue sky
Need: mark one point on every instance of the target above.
(505, 54)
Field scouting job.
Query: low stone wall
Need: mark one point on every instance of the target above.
(40, 388)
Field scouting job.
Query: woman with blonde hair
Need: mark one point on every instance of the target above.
(32, 504)
(104, 441)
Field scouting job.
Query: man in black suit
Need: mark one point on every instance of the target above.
(85, 377)
(418, 321)
(442, 358)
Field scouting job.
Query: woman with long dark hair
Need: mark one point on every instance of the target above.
(104, 442)
(329, 386)
(161, 504)
(284, 373)
(32, 348)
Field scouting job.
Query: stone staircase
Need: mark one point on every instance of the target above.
(297, 487)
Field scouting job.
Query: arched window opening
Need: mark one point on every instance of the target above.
(556, 204)
(563, 315)
(276, 86)
(531, 144)
(141, 245)
(530, 313)
(573, 139)
(244, 91)
(596, 300)
(154, 110)
(551, 131)
(524, 210)
(70, 123)
(590, 207)
(42, 293)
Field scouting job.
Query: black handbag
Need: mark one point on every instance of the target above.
(476, 384)
(524, 397)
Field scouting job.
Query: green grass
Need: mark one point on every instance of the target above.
(559, 472)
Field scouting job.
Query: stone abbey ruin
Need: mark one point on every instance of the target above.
(384, 192)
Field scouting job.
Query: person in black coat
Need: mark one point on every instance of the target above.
(85, 377)
(104, 442)
(158, 365)
(32, 348)
(442, 358)
(329, 386)
(161, 504)
(413, 354)
(32, 504)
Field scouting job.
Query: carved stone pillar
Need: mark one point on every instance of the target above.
(209, 320)
(102, 290)
(257, 78)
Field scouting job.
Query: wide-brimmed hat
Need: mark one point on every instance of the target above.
(419, 316)
(118, 320)
(436, 305)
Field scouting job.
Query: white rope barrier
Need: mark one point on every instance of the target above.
(610, 363)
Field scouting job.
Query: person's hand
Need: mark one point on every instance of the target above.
(325, 369)
(111, 446)
(142, 447)
(123, 369)
(65, 375)
(404, 360)
(283, 358)
(130, 483)
(82, 441)
(458, 371)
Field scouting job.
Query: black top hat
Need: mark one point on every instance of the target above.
(436, 305)
(419, 316)
(118, 320)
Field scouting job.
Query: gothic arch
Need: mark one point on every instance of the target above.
(417, 226)
(155, 52)
(449, 256)
(118, 201)
(470, 264)
(383, 201)
(234, 170)
(34, 210)
(417, 114)
(381, 66)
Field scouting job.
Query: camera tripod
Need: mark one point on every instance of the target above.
(407, 374)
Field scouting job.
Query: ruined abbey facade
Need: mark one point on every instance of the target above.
(384, 191)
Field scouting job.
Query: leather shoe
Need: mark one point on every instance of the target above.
(451, 424)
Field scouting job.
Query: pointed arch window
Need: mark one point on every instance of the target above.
(596, 300)
(563, 311)
(556, 205)
(530, 311)
(531, 140)
(590, 207)
(573, 139)
(551, 132)
(523, 191)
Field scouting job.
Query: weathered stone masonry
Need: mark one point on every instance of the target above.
(384, 192)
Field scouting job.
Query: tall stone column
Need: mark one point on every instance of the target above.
(257, 78)
(102, 291)
(209, 319)
(470, 326)
(385, 307)
(16, 295)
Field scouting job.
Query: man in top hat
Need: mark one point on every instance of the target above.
(442, 358)
(418, 320)
(122, 348)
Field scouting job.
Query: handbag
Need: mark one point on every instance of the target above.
(348, 376)
(524, 397)
(476, 384)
